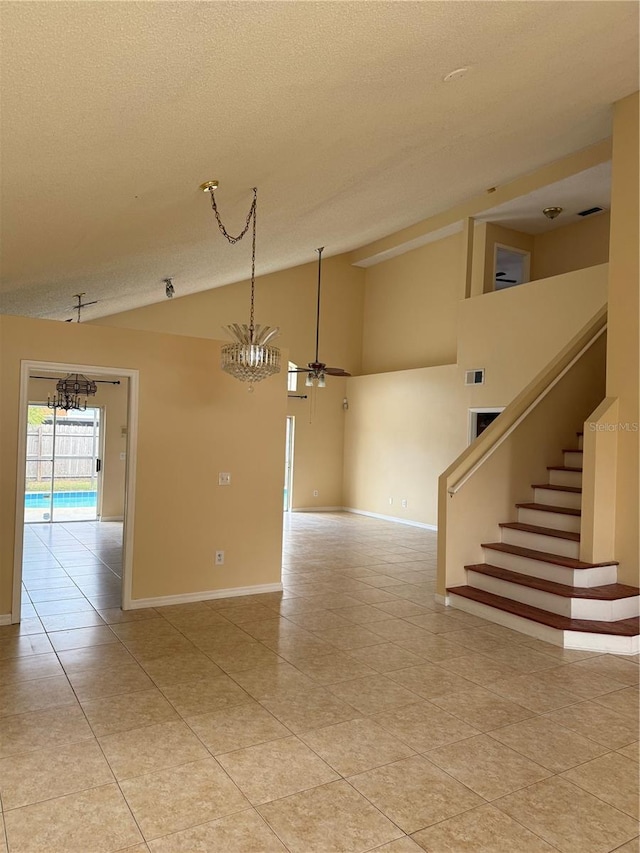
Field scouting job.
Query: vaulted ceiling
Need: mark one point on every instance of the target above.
(113, 113)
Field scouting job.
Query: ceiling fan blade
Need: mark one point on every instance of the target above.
(498, 274)
(507, 280)
(336, 371)
(299, 370)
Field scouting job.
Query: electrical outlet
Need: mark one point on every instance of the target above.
(224, 479)
(404, 503)
(315, 493)
(219, 558)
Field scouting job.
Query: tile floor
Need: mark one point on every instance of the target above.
(350, 713)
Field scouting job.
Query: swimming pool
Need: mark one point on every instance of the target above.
(42, 500)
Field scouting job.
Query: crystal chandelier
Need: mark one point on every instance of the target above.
(70, 390)
(250, 358)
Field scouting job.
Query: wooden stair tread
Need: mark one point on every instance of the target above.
(542, 531)
(621, 628)
(575, 489)
(564, 468)
(544, 556)
(563, 510)
(607, 592)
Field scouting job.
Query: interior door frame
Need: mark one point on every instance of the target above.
(289, 451)
(27, 367)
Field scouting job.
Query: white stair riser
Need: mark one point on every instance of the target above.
(539, 542)
(549, 571)
(580, 442)
(559, 521)
(508, 620)
(575, 608)
(607, 643)
(573, 500)
(572, 459)
(523, 594)
(565, 478)
(567, 639)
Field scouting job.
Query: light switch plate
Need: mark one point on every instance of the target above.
(224, 478)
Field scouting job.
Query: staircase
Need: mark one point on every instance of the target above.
(532, 580)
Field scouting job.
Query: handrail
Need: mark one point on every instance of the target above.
(480, 450)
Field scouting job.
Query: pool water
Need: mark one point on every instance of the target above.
(42, 500)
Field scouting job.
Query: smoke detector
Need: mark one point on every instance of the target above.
(552, 212)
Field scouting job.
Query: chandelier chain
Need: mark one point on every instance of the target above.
(251, 218)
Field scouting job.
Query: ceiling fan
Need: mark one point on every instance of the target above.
(500, 278)
(317, 370)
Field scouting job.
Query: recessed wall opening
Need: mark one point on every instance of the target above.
(480, 419)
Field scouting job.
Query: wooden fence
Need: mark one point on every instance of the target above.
(74, 451)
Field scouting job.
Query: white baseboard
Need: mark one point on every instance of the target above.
(5, 619)
(205, 595)
(442, 599)
(390, 518)
(317, 509)
(112, 518)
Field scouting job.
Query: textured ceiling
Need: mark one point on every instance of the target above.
(582, 191)
(113, 113)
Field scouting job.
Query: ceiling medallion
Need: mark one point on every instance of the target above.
(250, 358)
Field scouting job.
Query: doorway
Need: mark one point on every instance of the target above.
(511, 266)
(64, 459)
(288, 463)
(79, 559)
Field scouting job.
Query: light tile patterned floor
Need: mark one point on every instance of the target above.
(350, 713)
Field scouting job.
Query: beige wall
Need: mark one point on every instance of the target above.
(112, 400)
(318, 445)
(622, 353)
(514, 333)
(286, 298)
(404, 428)
(401, 430)
(410, 308)
(582, 244)
(181, 515)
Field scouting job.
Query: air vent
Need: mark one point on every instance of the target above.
(590, 211)
(474, 377)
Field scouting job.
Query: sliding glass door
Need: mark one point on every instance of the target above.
(63, 465)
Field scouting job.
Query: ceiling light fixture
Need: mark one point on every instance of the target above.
(71, 390)
(168, 287)
(552, 212)
(250, 358)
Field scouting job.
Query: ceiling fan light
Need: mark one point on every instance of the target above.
(309, 380)
(321, 381)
